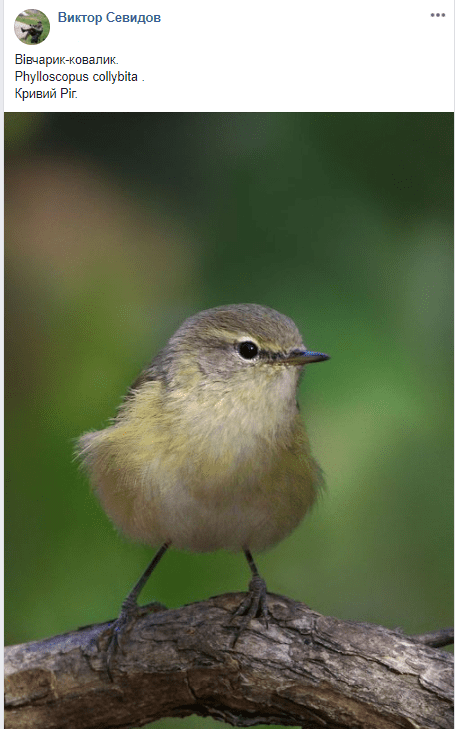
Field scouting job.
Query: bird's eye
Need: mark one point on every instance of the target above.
(248, 350)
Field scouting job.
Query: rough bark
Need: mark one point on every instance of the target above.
(304, 670)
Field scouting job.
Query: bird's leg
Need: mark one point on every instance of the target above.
(254, 605)
(129, 608)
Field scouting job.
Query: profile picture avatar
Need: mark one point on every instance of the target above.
(31, 27)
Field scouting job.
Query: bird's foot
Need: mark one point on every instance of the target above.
(129, 613)
(118, 629)
(254, 605)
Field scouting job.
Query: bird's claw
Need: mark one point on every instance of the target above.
(118, 629)
(254, 605)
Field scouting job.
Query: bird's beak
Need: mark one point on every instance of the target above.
(303, 357)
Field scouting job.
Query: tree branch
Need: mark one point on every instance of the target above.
(305, 670)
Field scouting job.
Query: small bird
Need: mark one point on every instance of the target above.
(208, 450)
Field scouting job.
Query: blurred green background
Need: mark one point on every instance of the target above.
(118, 227)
